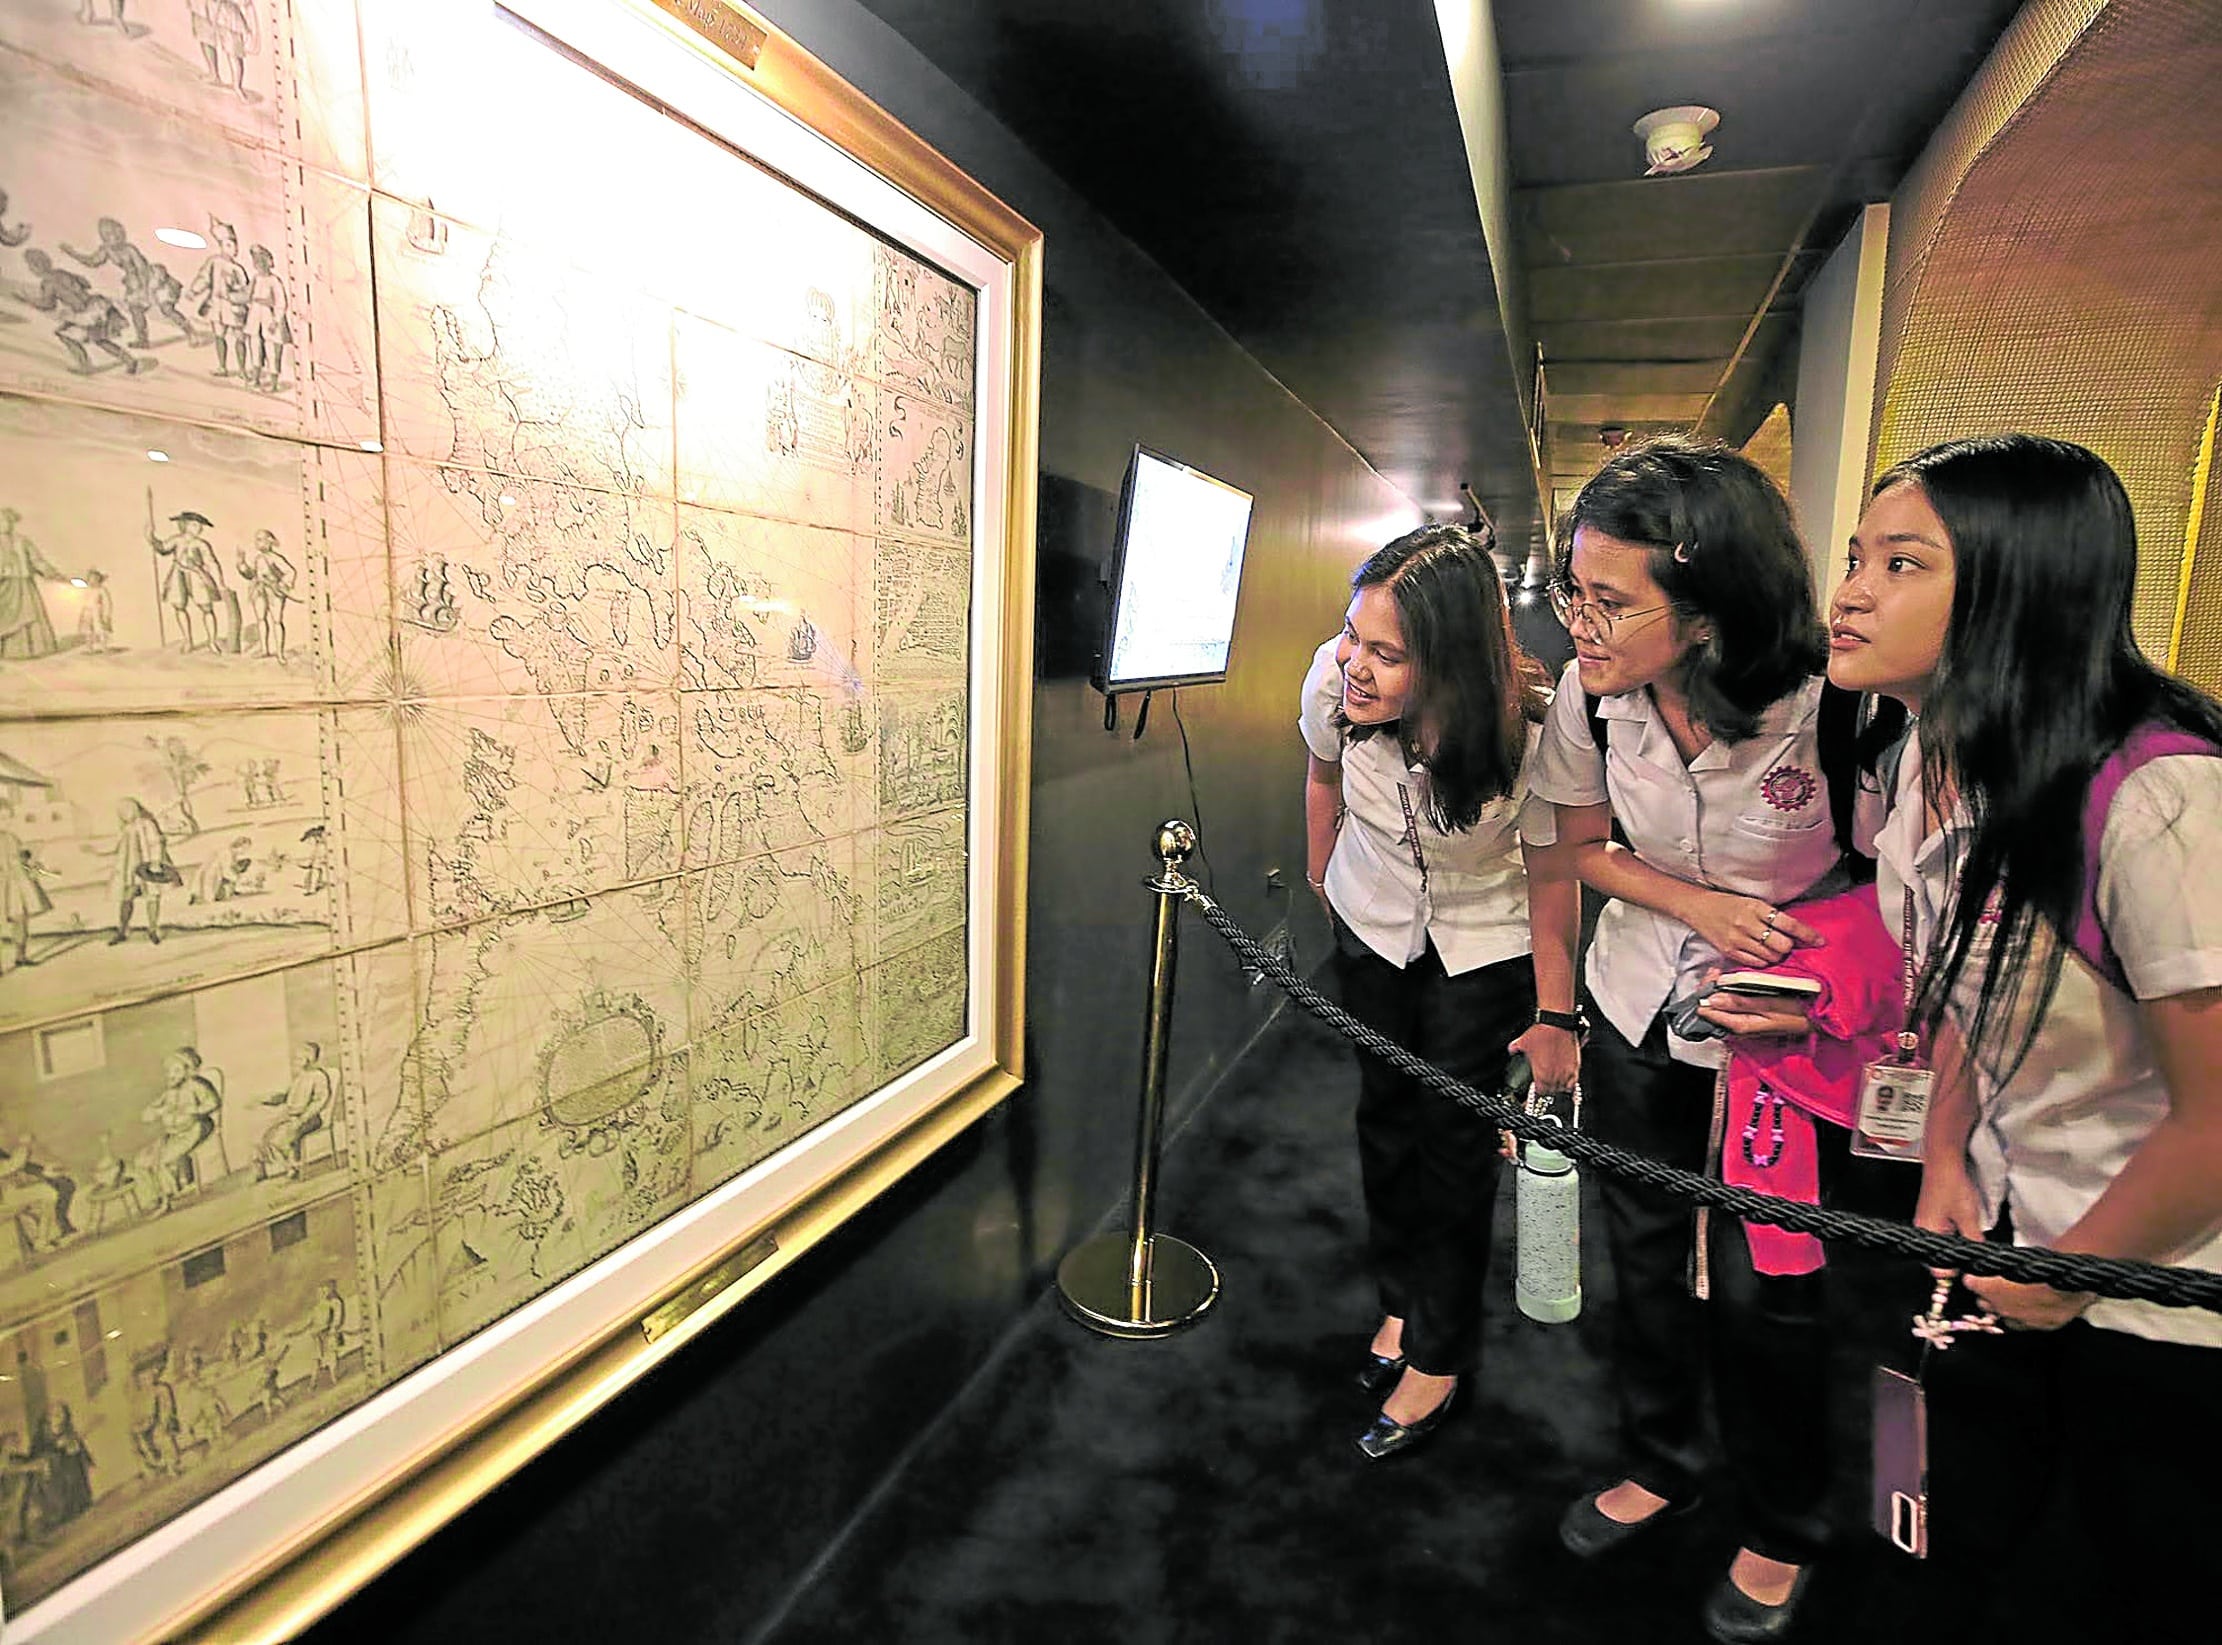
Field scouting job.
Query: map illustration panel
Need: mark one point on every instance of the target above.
(157, 263)
(484, 708)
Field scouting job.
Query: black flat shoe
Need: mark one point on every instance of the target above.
(1380, 1373)
(1735, 1618)
(1386, 1437)
(1587, 1531)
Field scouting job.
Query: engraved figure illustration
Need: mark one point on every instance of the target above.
(918, 1003)
(146, 1392)
(183, 1115)
(11, 237)
(148, 287)
(921, 752)
(35, 1198)
(269, 577)
(220, 297)
(297, 548)
(227, 873)
(143, 868)
(138, 152)
(162, 867)
(24, 628)
(921, 612)
(52, 1479)
(307, 1107)
(268, 328)
(923, 329)
(225, 31)
(170, 1139)
(316, 863)
(192, 579)
(22, 898)
(96, 615)
(88, 319)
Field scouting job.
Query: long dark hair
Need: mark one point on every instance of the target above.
(1473, 690)
(2040, 680)
(1725, 552)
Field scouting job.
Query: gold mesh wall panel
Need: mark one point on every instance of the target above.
(1769, 446)
(2034, 44)
(2199, 642)
(2059, 268)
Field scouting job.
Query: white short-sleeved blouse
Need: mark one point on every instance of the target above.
(1475, 905)
(1749, 817)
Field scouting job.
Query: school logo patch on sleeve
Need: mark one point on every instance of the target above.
(1789, 787)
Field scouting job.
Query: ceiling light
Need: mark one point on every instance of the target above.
(158, 456)
(1674, 138)
(181, 237)
(372, 445)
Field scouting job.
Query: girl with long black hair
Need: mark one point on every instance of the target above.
(1420, 718)
(2053, 841)
(1691, 718)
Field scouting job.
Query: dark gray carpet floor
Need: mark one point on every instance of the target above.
(1205, 1488)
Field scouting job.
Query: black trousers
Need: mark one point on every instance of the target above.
(1761, 1341)
(1429, 1167)
(2115, 1440)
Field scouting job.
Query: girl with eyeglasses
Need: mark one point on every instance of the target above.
(1421, 721)
(1690, 718)
(2053, 837)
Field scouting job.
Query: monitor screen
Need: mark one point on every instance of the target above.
(1177, 572)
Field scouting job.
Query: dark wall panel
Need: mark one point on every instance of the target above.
(691, 1508)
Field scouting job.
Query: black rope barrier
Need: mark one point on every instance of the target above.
(2105, 1276)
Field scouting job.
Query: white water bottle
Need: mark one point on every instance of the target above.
(1548, 1274)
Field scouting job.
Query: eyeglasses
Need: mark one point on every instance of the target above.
(1601, 621)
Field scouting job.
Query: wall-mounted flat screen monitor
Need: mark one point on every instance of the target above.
(1176, 575)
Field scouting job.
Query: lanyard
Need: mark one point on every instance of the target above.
(1909, 1042)
(1412, 836)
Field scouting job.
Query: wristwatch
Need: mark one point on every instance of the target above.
(1574, 1022)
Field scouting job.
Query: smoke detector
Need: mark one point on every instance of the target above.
(1674, 139)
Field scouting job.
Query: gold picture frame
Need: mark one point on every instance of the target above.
(277, 1547)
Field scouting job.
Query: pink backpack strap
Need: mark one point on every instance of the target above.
(2154, 740)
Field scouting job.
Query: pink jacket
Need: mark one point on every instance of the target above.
(1777, 1089)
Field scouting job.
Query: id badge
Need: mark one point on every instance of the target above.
(1893, 1108)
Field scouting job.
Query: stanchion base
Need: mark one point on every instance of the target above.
(1179, 1286)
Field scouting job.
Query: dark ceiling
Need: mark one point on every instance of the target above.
(1297, 166)
(1641, 291)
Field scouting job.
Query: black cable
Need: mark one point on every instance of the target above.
(1195, 806)
(2115, 1277)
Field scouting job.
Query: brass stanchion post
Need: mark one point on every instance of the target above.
(1141, 1283)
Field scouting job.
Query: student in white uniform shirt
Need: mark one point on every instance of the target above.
(1698, 644)
(1421, 719)
(1989, 587)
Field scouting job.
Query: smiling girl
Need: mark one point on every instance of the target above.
(1691, 719)
(2053, 836)
(1420, 717)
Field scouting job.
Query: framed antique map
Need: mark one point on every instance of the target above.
(515, 585)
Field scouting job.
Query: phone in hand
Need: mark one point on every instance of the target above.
(1772, 985)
